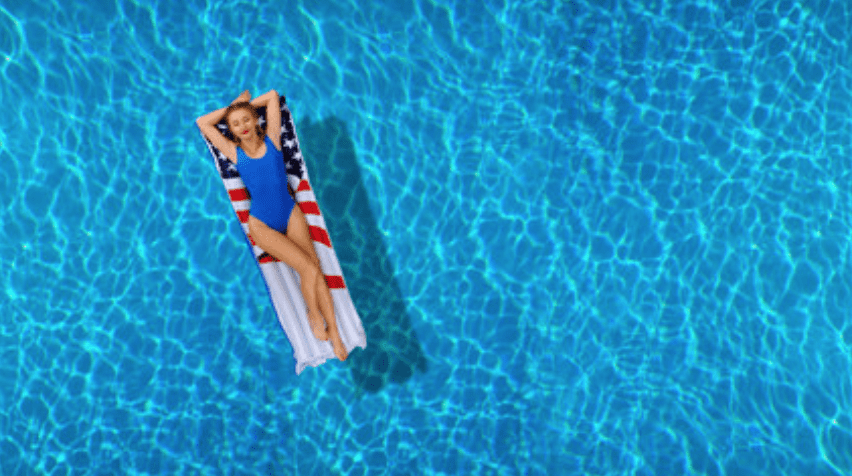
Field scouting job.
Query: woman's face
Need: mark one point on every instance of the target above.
(242, 124)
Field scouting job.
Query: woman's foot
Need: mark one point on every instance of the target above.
(339, 348)
(317, 326)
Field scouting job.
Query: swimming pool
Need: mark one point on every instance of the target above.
(583, 238)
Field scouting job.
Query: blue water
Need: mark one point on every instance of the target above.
(585, 237)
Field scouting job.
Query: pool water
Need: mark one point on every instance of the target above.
(584, 237)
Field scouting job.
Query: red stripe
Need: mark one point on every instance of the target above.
(238, 194)
(309, 208)
(335, 282)
(304, 186)
(320, 235)
(267, 259)
(243, 215)
(251, 239)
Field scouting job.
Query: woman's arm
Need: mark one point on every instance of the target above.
(273, 115)
(265, 98)
(217, 115)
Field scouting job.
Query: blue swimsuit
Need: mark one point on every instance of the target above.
(266, 181)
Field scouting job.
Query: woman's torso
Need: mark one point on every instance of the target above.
(266, 174)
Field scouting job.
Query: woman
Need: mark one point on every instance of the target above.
(276, 225)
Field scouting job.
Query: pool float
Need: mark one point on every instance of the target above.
(282, 281)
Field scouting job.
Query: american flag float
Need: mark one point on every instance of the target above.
(282, 282)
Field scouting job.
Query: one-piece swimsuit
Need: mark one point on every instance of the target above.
(266, 181)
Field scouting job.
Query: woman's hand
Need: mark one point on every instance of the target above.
(245, 96)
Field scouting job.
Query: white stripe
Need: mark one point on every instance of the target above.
(316, 220)
(329, 263)
(242, 205)
(305, 196)
(234, 183)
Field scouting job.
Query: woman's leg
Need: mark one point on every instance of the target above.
(284, 249)
(327, 305)
(297, 230)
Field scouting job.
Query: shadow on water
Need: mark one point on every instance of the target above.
(393, 352)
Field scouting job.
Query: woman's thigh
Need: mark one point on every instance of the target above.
(279, 245)
(297, 230)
